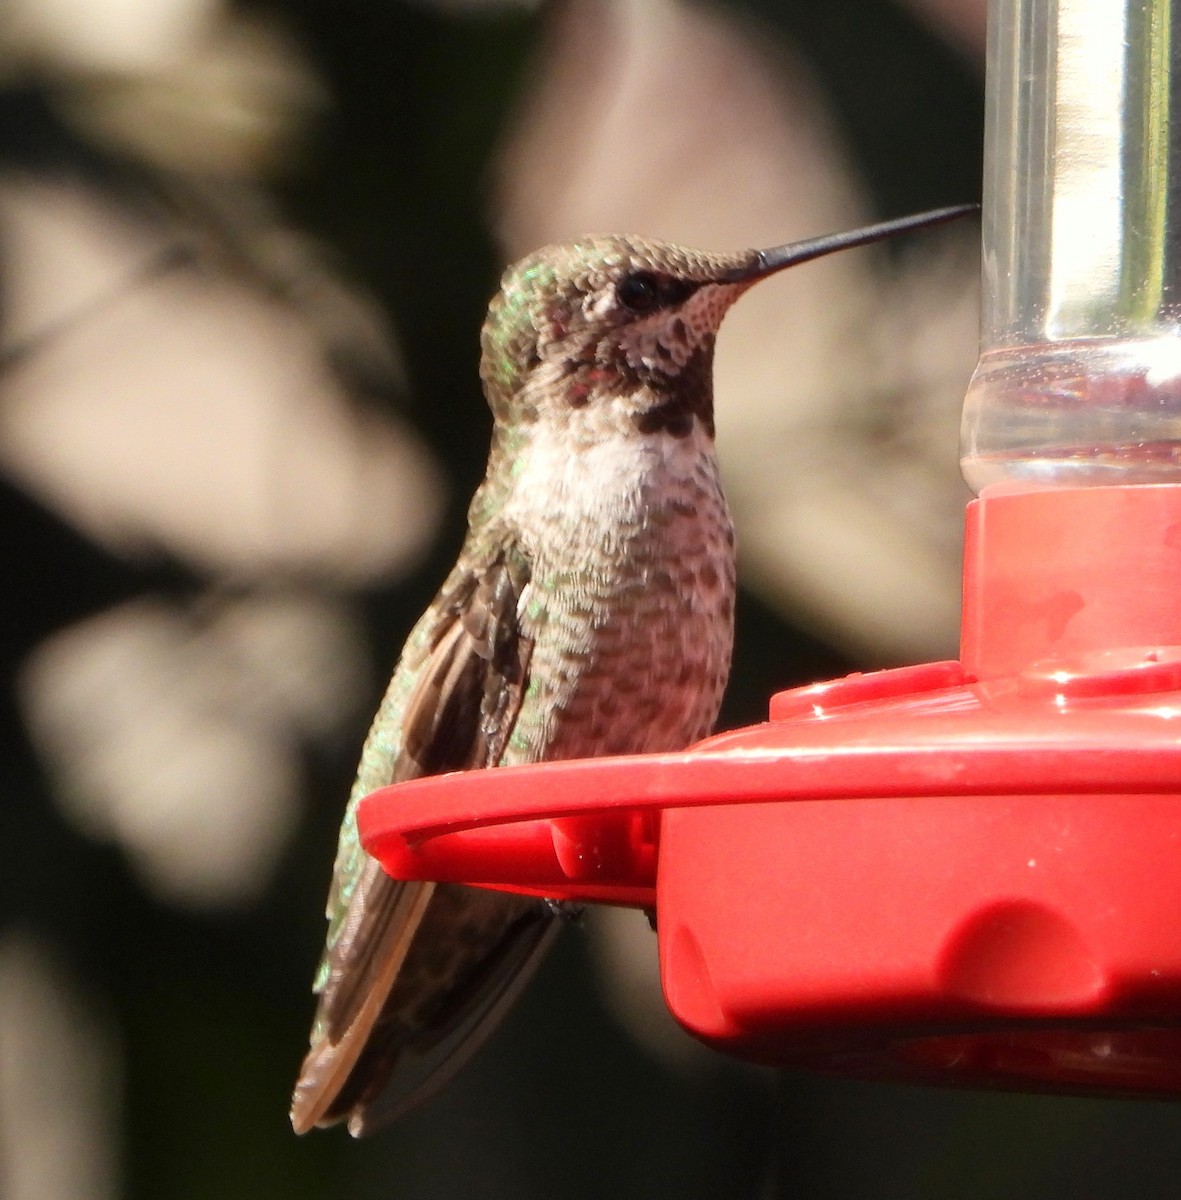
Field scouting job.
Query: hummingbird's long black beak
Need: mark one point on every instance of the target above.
(767, 262)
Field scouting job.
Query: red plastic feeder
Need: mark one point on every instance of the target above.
(964, 872)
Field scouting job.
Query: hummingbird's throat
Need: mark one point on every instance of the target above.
(623, 399)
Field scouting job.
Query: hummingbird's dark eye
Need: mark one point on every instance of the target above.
(638, 291)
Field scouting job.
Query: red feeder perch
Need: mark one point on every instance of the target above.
(969, 871)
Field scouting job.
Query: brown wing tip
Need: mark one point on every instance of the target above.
(315, 1090)
(301, 1122)
(305, 1111)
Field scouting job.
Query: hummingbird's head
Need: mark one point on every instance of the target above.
(617, 333)
(609, 331)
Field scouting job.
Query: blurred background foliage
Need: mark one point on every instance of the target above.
(244, 255)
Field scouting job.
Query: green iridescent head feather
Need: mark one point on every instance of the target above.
(552, 298)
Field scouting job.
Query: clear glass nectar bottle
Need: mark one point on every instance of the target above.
(1079, 378)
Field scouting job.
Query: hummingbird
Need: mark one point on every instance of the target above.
(590, 612)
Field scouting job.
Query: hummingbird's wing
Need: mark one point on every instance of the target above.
(416, 974)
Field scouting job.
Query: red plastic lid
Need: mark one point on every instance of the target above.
(966, 873)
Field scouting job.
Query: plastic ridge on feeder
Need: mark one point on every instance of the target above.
(967, 871)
